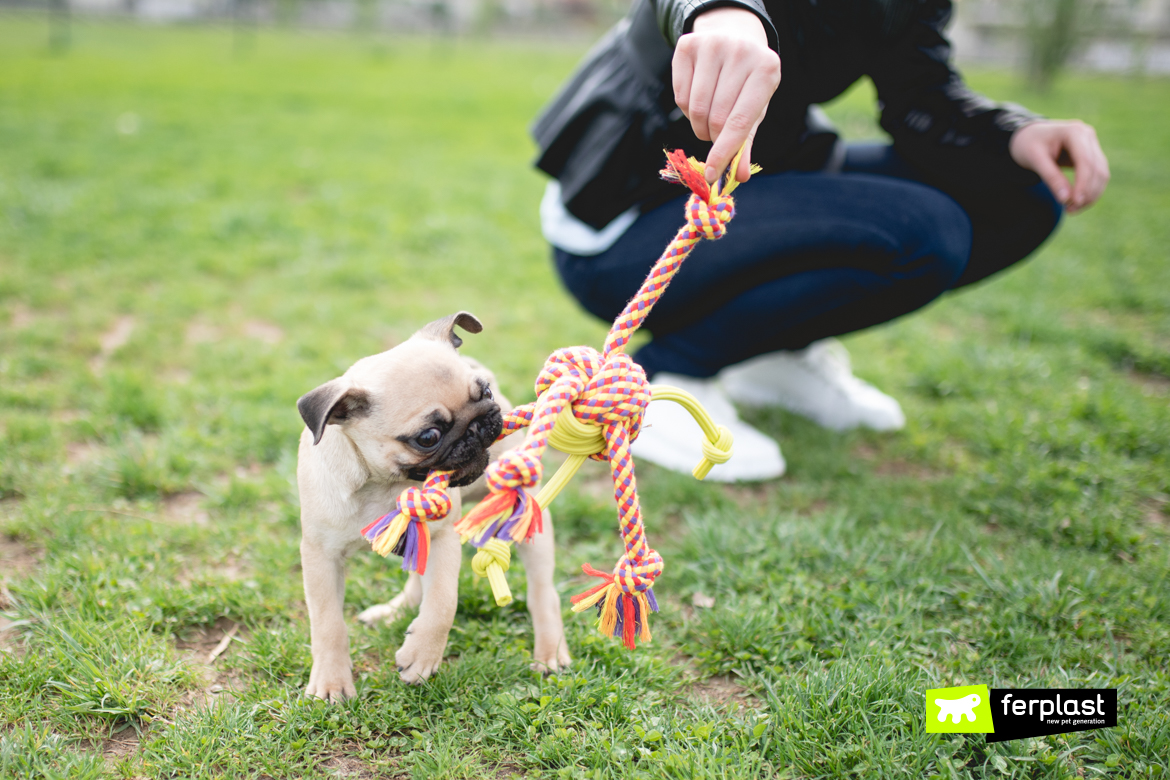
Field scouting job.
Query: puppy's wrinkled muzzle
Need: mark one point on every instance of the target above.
(467, 456)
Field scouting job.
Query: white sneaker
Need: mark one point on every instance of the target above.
(671, 438)
(816, 382)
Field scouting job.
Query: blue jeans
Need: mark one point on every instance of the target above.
(811, 255)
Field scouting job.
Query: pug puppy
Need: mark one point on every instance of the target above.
(371, 433)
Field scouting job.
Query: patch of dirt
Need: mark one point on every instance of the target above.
(195, 645)
(112, 340)
(702, 601)
(78, 453)
(5, 623)
(885, 466)
(1158, 512)
(817, 507)
(944, 331)
(7, 638)
(347, 766)
(124, 743)
(251, 470)
(268, 332)
(184, 509)
(16, 559)
(177, 376)
(196, 642)
(9, 507)
(22, 317)
(1151, 384)
(750, 495)
(231, 568)
(199, 332)
(8, 641)
(722, 690)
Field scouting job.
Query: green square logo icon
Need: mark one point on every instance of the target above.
(962, 710)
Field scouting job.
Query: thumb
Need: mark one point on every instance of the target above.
(1050, 173)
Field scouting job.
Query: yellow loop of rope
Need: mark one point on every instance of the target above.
(717, 439)
(491, 561)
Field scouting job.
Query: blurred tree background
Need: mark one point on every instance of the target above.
(1039, 38)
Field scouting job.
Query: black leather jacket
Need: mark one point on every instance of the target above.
(602, 135)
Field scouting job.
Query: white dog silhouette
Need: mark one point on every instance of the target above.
(958, 708)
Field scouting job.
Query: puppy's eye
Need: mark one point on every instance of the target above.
(429, 438)
(487, 393)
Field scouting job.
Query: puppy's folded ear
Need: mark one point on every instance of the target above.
(331, 403)
(444, 329)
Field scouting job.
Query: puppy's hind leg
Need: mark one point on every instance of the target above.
(550, 653)
(408, 598)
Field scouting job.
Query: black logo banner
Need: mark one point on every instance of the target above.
(1036, 712)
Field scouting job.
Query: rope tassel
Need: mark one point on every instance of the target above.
(512, 515)
(404, 531)
(624, 615)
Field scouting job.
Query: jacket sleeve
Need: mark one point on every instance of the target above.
(936, 121)
(677, 17)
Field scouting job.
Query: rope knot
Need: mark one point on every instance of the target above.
(515, 468)
(718, 451)
(494, 551)
(709, 220)
(424, 503)
(602, 390)
(617, 393)
(638, 574)
(492, 561)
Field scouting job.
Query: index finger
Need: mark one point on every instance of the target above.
(749, 108)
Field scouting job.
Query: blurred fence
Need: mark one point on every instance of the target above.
(1112, 35)
(1109, 35)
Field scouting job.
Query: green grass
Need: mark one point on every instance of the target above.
(166, 295)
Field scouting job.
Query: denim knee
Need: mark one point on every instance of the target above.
(1009, 228)
(938, 244)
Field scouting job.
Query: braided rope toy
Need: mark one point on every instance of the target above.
(589, 405)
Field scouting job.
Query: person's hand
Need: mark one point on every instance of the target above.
(724, 76)
(1047, 145)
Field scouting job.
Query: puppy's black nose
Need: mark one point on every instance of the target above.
(487, 426)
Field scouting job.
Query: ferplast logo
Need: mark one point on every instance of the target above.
(962, 710)
(1004, 714)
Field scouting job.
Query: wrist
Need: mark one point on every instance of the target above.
(1021, 141)
(731, 20)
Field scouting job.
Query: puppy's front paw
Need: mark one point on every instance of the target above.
(384, 613)
(421, 653)
(331, 682)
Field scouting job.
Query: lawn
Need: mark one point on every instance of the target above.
(193, 234)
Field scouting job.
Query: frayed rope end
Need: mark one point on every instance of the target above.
(397, 534)
(620, 614)
(512, 515)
